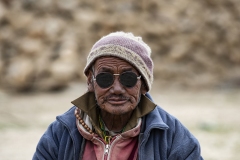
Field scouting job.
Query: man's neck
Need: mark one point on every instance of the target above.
(115, 123)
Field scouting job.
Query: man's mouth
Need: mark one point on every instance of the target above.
(117, 100)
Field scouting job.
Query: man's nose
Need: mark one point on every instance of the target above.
(117, 87)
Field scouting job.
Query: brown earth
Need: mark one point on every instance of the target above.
(194, 43)
(212, 116)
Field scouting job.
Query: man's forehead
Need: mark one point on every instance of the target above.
(106, 62)
(111, 60)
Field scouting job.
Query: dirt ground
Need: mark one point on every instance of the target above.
(212, 116)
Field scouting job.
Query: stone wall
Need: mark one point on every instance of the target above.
(44, 44)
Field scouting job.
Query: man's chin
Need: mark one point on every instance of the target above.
(117, 109)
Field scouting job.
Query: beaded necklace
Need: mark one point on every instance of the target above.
(77, 112)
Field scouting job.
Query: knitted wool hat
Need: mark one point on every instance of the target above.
(127, 47)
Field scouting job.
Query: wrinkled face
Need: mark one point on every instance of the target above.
(115, 99)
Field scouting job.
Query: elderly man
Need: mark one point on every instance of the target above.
(117, 119)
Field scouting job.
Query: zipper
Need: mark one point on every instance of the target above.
(107, 146)
(106, 151)
(113, 141)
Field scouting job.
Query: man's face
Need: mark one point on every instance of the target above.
(115, 99)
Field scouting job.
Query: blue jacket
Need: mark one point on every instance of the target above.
(162, 137)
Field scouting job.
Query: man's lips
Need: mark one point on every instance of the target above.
(117, 100)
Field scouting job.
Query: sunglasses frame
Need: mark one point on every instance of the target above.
(138, 77)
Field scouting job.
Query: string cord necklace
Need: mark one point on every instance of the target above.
(105, 133)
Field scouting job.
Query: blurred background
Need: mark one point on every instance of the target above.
(195, 49)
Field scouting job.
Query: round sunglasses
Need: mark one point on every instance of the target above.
(106, 79)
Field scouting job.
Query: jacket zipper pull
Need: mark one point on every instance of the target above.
(107, 148)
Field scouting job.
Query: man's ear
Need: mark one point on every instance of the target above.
(143, 88)
(90, 81)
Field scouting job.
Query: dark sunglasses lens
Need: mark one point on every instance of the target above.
(104, 80)
(128, 79)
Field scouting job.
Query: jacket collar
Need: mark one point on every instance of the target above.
(150, 121)
(88, 105)
(154, 119)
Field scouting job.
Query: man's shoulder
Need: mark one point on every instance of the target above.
(68, 113)
(161, 116)
(68, 118)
